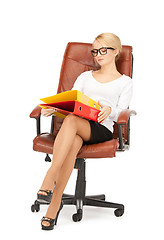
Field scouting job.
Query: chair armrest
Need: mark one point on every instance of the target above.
(124, 116)
(124, 119)
(36, 112)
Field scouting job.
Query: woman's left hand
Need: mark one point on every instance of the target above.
(105, 111)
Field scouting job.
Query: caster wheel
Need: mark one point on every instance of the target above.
(35, 207)
(77, 216)
(119, 212)
(103, 198)
(47, 158)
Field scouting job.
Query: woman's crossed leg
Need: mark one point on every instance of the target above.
(67, 144)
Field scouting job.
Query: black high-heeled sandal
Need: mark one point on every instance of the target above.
(44, 198)
(51, 221)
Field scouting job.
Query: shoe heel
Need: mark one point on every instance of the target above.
(51, 221)
(56, 219)
(57, 215)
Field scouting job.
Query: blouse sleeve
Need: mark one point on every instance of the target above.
(78, 84)
(123, 102)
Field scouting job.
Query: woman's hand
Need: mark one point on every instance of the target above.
(105, 111)
(47, 111)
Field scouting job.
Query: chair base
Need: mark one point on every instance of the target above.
(80, 200)
(95, 200)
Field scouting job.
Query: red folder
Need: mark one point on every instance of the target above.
(73, 107)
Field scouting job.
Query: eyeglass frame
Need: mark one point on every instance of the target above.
(98, 50)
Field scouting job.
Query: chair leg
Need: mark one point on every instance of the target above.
(67, 195)
(102, 203)
(68, 201)
(100, 196)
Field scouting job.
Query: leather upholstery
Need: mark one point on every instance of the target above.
(124, 116)
(36, 112)
(44, 143)
(78, 59)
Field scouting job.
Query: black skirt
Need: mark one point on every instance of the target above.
(99, 133)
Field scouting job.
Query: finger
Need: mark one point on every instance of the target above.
(101, 105)
(102, 117)
(102, 114)
(46, 114)
(51, 110)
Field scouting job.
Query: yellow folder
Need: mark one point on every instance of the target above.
(70, 96)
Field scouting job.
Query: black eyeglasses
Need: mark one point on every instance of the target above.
(102, 51)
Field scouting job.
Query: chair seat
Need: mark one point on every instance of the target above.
(44, 143)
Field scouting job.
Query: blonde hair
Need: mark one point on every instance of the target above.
(110, 40)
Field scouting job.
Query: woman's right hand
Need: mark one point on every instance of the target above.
(47, 111)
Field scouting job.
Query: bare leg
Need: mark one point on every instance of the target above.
(63, 178)
(71, 127)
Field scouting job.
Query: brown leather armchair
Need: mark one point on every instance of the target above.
(77, 59)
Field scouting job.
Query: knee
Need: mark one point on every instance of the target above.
(71, 120)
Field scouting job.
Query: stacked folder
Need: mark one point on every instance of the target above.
(72, 102)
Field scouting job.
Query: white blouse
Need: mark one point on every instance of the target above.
(115, 94)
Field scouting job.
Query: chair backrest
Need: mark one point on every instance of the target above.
(78, 59)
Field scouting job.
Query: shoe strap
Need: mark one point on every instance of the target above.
(46, 191)
(46, 219)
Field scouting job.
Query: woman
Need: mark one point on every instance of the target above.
(113, 92)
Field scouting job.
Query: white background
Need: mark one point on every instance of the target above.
(34, 35)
